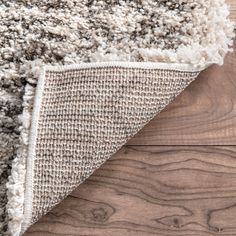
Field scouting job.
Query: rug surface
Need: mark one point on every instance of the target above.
(128, 60)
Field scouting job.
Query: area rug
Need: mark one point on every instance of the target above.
(80, 78)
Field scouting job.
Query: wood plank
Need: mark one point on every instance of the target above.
(158, 191)
(232, 4)
(204, 114)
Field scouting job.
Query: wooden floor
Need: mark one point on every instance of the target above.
(176, 177)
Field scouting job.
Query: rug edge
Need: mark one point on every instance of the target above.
(18, 181)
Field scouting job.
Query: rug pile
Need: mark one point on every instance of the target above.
(79, 78)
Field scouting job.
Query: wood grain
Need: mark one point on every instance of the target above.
(145, 191)
(232, 4)
(204, 114)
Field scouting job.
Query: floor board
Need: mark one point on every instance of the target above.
(158, 191)
(232, 4)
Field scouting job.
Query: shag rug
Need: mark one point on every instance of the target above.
(80, 78)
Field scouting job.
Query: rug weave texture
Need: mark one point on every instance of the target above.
(86, 115)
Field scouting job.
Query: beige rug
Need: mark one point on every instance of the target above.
(133, 59)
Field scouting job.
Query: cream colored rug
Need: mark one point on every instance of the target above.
(103, 70)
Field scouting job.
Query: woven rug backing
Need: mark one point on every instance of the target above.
(85, 116)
